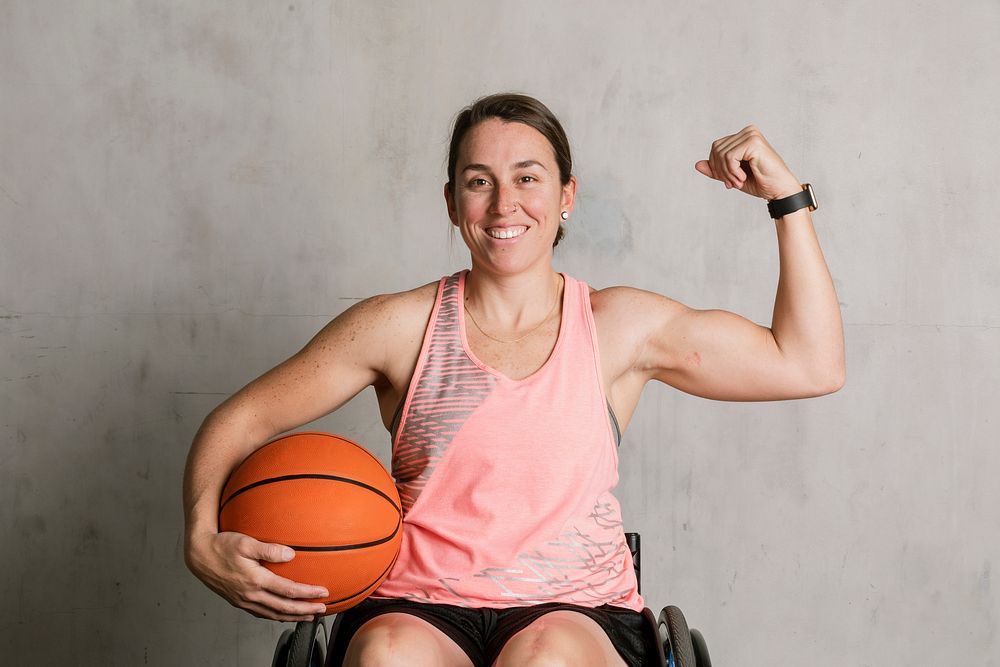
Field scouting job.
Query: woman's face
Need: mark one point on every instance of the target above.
(508, 197)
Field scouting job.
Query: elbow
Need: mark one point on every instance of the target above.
(831, 381)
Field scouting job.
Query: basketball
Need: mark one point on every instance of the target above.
(329, 500)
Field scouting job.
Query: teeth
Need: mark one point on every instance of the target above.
(508, 233)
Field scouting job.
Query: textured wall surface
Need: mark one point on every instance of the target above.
(189, 191)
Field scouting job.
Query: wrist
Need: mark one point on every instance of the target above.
(197, 531)
(787, 190)
(804, 198)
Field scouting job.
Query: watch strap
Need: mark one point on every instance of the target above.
(781, 207)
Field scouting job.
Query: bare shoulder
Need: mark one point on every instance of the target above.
(631, 311)
(375, 342)
(621, 300)
(383, 318)
(627, 317)
(397, 306)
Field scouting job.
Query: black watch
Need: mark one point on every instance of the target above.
(782, 207)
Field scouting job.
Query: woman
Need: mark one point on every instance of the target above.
(505, 388)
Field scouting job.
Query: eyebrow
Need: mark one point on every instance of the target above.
(523, 164)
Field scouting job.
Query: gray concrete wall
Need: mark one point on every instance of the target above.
(190, 190)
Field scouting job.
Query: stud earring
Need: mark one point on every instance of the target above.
(564, 215)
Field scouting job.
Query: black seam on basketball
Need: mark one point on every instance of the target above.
(328, 436)
(286, 478)
(350, 547)
(366, 588)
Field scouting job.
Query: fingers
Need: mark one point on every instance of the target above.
(727, 155)
(266, 594)
(266, 604)
(292, 589)
(269, 581)
(703, 166)
(268, 612)
(747, 161)
(272, 553)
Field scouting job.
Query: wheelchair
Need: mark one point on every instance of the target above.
(307, 644)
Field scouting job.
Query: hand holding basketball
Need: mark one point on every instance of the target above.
(328, 500)
(746, 161)
(230, 564)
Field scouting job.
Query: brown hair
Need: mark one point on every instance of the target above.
(513, 108)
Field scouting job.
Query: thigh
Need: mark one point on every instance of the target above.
(560, 638)
(399, 638)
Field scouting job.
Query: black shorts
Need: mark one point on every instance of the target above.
(483, 632)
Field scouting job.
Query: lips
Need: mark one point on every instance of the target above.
(506, 232)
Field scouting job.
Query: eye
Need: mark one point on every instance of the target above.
(478, 182)
(527, 179)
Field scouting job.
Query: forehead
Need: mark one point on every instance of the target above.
(497, 143)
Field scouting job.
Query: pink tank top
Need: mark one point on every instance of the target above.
(507, 484)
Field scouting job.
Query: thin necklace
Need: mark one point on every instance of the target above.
(516, 340)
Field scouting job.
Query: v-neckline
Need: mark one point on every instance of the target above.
(486, 367)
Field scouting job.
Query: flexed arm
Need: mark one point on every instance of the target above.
(721, 355)
(806, 323)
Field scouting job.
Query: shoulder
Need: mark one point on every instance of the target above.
(632, 323)
(633, 304)
(394, 312)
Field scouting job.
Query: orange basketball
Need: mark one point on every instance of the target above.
(329, 500)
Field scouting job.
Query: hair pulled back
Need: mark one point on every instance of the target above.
(513, 108)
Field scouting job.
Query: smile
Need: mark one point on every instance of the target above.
(506, 232)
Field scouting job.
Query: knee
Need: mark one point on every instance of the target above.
(551, 646)
(391, 643)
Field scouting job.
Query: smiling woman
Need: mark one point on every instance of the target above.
(512, 108)
(505, 388)
(508, 192)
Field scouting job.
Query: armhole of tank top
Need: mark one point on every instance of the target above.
(613, 428)
(399, 416)
(614, 424)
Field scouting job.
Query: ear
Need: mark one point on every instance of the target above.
(568, 195)
(449, 200)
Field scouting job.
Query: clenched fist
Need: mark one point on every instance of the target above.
(746, 161)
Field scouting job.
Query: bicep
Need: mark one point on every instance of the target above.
(338, 363)
(720, 355)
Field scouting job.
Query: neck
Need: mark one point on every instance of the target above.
(512, 303)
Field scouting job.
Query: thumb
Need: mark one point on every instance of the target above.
(705, 168)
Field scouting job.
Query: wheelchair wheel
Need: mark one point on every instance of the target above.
(680, 653)
(281, 650)
(303, 647)
(700, 649)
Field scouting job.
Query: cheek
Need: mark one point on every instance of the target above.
(542, 201)
(471, 204)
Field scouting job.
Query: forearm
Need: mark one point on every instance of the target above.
(230, 563)
(223, 441)
(806, 323)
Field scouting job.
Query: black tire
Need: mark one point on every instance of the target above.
(281, 650)
(679, 636)
(700, 649)
(305, 647)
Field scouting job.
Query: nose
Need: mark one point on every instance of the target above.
(503, 201)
